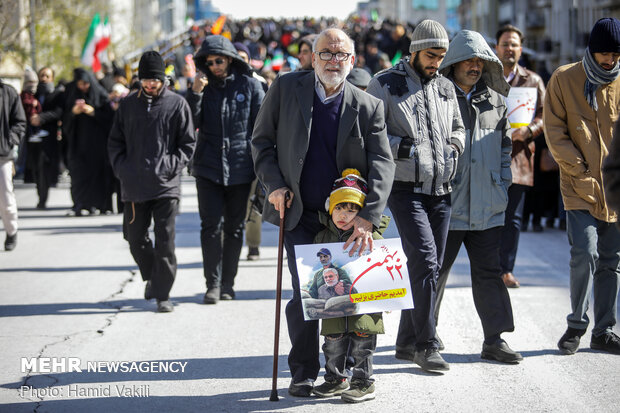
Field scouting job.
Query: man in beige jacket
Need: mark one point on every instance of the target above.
(581, 106)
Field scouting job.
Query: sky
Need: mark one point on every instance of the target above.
(241, 9)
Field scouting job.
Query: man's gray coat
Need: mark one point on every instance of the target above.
(282, 133)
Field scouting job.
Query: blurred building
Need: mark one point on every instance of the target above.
(556, 31)
(414, 11)
(202, 9)
(139, 23)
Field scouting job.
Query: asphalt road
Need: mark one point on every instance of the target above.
(70, 291)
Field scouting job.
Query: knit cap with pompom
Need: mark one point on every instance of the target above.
(351, 187)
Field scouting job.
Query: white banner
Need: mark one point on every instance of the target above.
(336, 285)
(521, 103)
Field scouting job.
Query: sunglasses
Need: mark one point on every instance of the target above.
(217, 61)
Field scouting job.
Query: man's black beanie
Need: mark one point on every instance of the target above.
(151, 66)
(605, 36)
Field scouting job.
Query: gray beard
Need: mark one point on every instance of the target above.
(332, 81)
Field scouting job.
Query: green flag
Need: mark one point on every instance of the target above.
(397, 57)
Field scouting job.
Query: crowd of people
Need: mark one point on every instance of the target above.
(421, 127)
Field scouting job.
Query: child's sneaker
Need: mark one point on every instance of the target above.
(359, 391)
(331, 388)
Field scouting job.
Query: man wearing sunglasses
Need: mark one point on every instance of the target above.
(224, 100)
(312, 126)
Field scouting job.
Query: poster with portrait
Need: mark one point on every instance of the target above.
(521, 104)
(335, 285)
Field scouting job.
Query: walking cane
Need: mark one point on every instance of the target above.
(276, 338)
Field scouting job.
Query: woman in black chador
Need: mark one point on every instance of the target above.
(86, 123)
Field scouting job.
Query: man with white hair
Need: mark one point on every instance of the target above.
(311, 126)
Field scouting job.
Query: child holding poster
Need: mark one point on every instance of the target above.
(354, 336)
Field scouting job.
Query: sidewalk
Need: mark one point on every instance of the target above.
(71, 289)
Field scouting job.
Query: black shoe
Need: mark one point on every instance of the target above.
(227, 295)
(500, 351)
(41, 205)
(10, 242)
(405, 352)
(569, 343)
(430, 360)
(537, 228)
(212, 296)
(253, 254)
(164, 306)
(148, 291)
(301, 389)
(331, 388)
(608, 342)
(441, 346)
(550, 223)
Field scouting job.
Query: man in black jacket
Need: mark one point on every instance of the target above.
(225, 99)
(151, 141)
(12, 129)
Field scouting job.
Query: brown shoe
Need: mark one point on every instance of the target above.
(509, 280)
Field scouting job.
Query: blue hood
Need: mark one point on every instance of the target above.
(219, 45)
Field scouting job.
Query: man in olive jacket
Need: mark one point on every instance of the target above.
(579, 113)
(311, 126)
(611, 172)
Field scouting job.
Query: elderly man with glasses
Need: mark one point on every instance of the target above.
(224, 99)
(312, 126)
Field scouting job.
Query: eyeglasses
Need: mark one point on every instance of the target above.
(217, 61)
(340, 56)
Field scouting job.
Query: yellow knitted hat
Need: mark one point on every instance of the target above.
(350, 188)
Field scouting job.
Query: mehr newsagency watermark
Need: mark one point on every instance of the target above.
(51, 365)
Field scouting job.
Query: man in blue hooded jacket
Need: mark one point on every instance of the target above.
(224, 100)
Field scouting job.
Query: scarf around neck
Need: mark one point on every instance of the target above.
(595, 77)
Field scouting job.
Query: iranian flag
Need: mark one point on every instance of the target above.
(97, 40)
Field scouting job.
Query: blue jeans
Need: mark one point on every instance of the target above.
(303, 359)
(422, 222)
(336, 349)
(594, 266)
